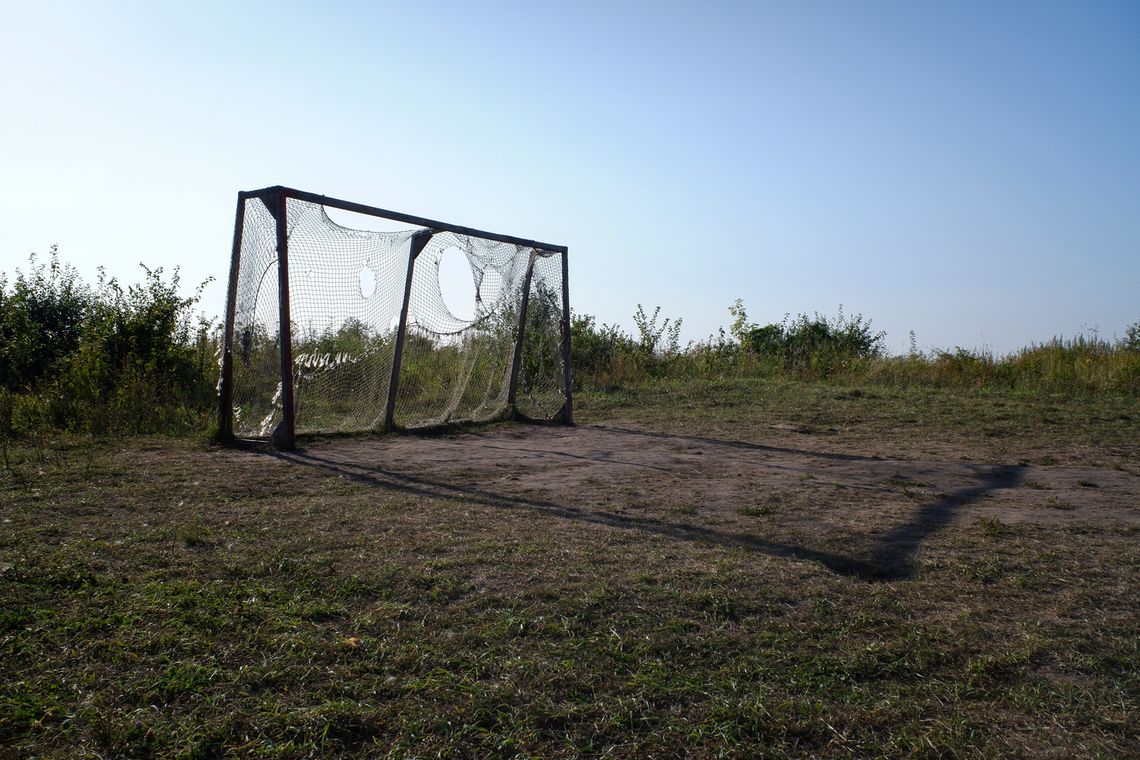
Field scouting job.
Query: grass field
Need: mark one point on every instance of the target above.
(736, 568)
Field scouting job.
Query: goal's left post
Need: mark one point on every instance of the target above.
(285, 434)
(255, 390)
(226, 382)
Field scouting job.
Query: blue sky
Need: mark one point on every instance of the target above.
(969, 171)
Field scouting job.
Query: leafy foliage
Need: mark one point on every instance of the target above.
(600, 354)
(816, 346)
(656, 338)
(1131, 339)
(103, 360)
(41, 321)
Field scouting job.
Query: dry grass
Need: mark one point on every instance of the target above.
(161, 598)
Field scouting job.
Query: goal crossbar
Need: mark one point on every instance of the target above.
(396, 216)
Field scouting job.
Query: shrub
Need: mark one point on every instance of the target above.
(601, 355)
(109, 360)
(606, 355)
(1131, 339)
(41, 321)
(115, 360)
(810, 347)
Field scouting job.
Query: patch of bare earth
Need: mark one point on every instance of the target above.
(857, 514)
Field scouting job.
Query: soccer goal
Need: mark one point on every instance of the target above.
(332, 329)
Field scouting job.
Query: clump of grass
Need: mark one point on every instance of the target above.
(1081, 365)
(758, 510)
(994, 528)
(195, 539)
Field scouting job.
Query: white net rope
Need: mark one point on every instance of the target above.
(346, 291)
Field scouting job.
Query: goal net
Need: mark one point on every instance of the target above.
(332, 329)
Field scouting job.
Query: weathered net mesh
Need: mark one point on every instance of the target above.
(540, 388)
(346, 292)
(256, 338)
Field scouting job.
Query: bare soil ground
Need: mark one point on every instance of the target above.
(713, 490)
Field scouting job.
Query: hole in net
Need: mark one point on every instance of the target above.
(457, 284)
(367, 282)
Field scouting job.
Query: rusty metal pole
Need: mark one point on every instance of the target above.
(226, 387)
(419, 241)
(567, 371)
(516, 361)
(284, 437)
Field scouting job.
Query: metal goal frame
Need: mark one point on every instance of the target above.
(275, 199)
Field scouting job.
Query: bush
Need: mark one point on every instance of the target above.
(1131, 339)
(115, 360)
(810, 347)
(109, 360)
(41, 322)
(605, 355)
(601, 355)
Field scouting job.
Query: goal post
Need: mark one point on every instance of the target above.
(331, 329)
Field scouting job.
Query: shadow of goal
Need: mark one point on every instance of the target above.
(331, 329)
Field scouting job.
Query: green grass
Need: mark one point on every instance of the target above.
(889, 420)
(161, 598)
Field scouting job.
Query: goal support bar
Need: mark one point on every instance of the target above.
(419, 240)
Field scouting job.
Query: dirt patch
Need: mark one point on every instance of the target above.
(857, 514)
(594, 463)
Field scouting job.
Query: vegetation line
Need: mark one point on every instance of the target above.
(114, 360)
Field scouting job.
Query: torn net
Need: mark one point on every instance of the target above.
(346, 292)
